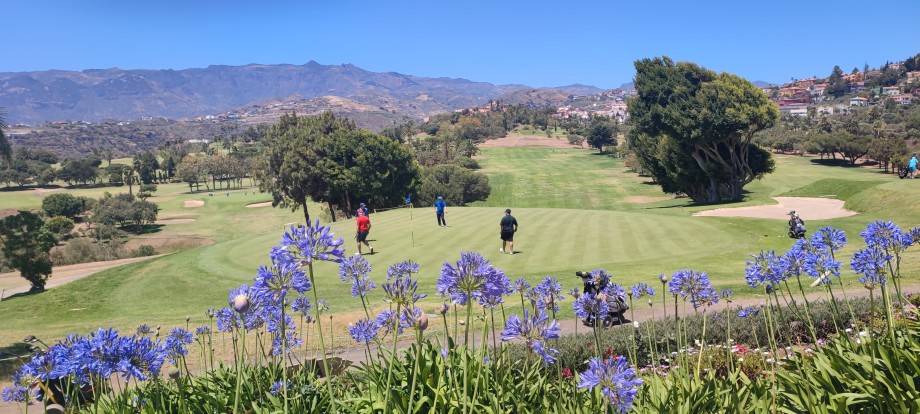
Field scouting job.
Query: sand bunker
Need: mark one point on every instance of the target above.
(192, 203)
(807, 207)
(515, 140)
(257, 205)
(175, 221)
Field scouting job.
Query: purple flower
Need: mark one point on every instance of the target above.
(15, 393)
(829, 238)
(695, 286)
(872, 263)
(641, 289)
(227, 320)
(765, 270)
(820, 264)
(402, 291)
(356, 269)
(599, 278)
(144, 330)
(389, 321)
(521, 285)
(301, 304)
(241, 298)
(307, 244)
(727, 295)
(574, 293)
(175, 344)
(886, 236)
(364, 331)
(589, 306)
(278, 387)
(616, 379)
(473, 277)
(535, 330)
(202, 330)
(748, 312)
(550, 292)
(274, 283)
(402, 269)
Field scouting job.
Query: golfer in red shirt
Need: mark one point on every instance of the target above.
(364, 227)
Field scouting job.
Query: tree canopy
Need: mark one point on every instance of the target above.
(693, 129)
(24, 246)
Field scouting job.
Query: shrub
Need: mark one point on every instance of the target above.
(466, 162)
(82, 250)
(145, 250)
(60, 226)
(457, 185)
(63, 204)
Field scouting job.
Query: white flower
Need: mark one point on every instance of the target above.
(769, 360)
(848, 330)
(635, 324)
(740, 359)
(863, 334)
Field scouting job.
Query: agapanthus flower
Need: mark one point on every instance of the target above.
(640, 290)
(695, 286)
(550, 292)
(726, 295)
(301, 304)
(274, 283)
(589, 306)
(144, 330)
(15, 393)
(202, 330)
(535, 330)
(227, 320)
(322, 305)
(402, 269)
(473, 278)
(872, 263)
(574, 293)
(307, 244)
(793, 262)
(278, 387)
(242, 298)
(821, 265)
(389, 321)
(887, 236)
(828, 238)
(765, 269)
(402, 291)
(748, 312)
(409, 318)
(175, 343)
(616, 379)
(364, 331)
(521, 285)
(599, 279)
(356, 269)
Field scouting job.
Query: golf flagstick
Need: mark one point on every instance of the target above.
(411, 225)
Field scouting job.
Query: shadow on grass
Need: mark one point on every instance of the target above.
(145, 229)
(12, 357)
(830, 162)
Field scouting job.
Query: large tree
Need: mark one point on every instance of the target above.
(6, 150)
(693, 129)
(601, 134)
(24, 246)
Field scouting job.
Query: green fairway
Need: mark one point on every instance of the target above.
(577, 211)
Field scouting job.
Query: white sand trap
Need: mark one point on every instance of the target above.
(257, 205)
(192, 203)
(807, 207)
(175, 221)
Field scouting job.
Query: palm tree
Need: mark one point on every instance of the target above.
(6, 150)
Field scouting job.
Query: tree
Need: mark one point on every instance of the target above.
(601, 134)
(457, 185)
(146, 191)
(854, 147)
(6, 150)
(836, 84)
(24, 246)
(693, 129)
(146, 165)
(192, 170)
(289, 168)
(82, 170)
(64, 205)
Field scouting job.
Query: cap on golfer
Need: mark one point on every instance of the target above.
(439, 198)
(362, 205)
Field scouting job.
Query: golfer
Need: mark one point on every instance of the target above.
(364, 227)
(508, 227)
(439, 211)
(912, 166)
(362, 209)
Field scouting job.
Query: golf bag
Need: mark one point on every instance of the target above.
(616, 305)
(902, 172)
(796, 226)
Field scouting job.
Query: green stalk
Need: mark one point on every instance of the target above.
(322, 346)
(811, 322)
(418, 352)
(386, 400)
(699, 359)
(239, 364)
(284, 377)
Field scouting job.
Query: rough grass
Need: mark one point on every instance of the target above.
(572, 206)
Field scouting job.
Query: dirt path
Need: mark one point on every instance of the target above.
(12, 283)
(809, 208)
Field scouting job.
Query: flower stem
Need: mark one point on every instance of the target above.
(322, 346)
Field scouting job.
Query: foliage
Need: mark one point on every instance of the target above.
(601, 134)
(63, 204)
(457, 185)
(123, 209)
(79, 170)
(85, 250)
(24, 244)
(146, 191)
(145, 250)
(60, 226)
(146, 165)
(693, 129)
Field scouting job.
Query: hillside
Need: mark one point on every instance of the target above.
(98, 94)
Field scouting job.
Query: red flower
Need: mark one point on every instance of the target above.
(567, 374)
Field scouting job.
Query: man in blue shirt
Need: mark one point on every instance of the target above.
(362, 209)
(912, 166)
(439, 211)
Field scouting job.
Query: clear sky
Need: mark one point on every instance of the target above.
(538, 43)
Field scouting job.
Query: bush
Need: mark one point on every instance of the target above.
(457, 185)
(576, 139)
(60, 226)
(466, 162)
(82, 250)
(63, 204)
(145, 250)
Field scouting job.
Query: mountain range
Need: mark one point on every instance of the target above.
(99, 94)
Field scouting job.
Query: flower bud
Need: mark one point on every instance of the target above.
(54, 409)
(173, 373)
(444, 308)
(635, 324)
(241, 303)
(422, 322)
(663, 278)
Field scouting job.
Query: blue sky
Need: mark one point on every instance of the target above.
(530, 42)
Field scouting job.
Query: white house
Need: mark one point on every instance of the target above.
(859, 101)
(903, 99)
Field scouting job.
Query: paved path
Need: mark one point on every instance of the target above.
(12, 283)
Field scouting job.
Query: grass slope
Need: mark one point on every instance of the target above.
(577, 211)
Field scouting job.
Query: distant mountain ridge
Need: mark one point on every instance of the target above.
(99, 94)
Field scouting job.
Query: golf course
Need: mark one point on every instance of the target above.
(577, 210)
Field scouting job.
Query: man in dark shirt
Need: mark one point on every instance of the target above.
(364, 227)
(439, 211)
(508, 226)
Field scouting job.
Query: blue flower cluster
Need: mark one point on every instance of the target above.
(474, 278)
(640, 290)
(356, 269)
(616, 379)
(549, 293)
(534, 329)
(364, 331)
(589, 306)
(695, 286)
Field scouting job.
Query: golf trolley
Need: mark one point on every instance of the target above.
(616, 305)
(796, 226)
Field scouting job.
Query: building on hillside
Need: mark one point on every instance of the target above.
(859, 101)
(903, 99)
(891, 90)
(856, 87)
(913, 75)
(797, 109)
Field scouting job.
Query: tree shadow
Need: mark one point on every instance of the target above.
(145, 229)
(830, 162)
(10, 358)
